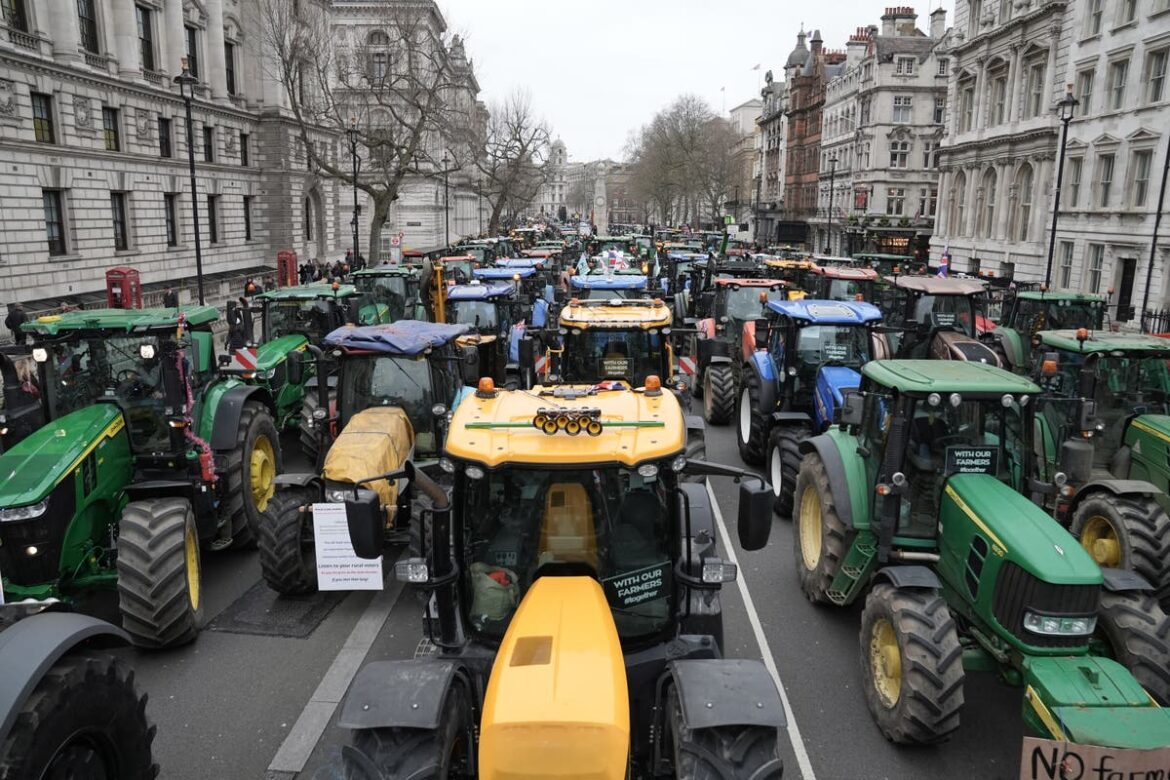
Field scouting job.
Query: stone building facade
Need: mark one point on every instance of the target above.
(553, 193)
(769, 195)
(745, 157)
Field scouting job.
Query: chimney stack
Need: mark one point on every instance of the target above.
(888, 21)
(938, 23)
(857, 45)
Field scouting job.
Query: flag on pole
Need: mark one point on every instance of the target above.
(944, 262)
(756, 66)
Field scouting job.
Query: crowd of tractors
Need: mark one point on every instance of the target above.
(509, 423)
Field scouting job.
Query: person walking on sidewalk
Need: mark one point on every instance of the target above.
(170, 299)
(16, 317)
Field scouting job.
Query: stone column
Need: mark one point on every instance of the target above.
(978, 120)
(65, 29)
(1015, 86)
(216, 74)
(126, 38)
(176, 37)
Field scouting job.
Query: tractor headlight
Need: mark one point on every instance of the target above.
(438, 410)
(40, 354)
(648, 470)
(934, 399)
(1060, 625)
(270, 373)
(411, 570)
(678, 464)
(337, 495)
(473, 472)
(319, 414)
(446, 465)
(13, 514)
(955, 399)
(715, 570)
(1024, 400)
(146, 351)
(1007, 400)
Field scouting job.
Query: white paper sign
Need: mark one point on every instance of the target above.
(338, 567)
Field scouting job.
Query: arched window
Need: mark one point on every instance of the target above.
(987, 213)
(1022, 213)
(308, 219)
(958, 218)
(378, 38)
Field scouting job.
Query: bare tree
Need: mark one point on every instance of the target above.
(399, 90)
(580, 195)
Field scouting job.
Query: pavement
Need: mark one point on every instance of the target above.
(256, 696)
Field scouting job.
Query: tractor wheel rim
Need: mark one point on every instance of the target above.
(745, 415)
(776, 472)
(262, 472)
(885, 662)
(810, 528)
(191, 548)
(1101, 540)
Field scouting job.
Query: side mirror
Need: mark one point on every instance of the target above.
(469, 366)
(762, 333)
(366, 524)
(755, 515)
(851, 408)
(296, 367)
(527, 351)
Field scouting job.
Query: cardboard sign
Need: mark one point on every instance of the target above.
(631, 588)
(1047, 759)
(338, 567)
(962, 459)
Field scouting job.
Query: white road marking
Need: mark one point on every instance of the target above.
(794, 737)
(302, 738)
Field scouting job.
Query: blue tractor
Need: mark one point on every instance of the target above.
(808, 352)
(625, 286)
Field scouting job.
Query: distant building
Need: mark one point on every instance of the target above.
(769, 195)
(551, 199)
(746, 158)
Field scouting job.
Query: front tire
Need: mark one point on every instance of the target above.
(696, 450)
(288, 558)
(717, 753)
(784, 465)
(819, 533)
(250, 469)
(911, 665)
(718, 394)
(751, 432)
(84, 719)
(1137, 633)
(1126, 532)
(159, 573)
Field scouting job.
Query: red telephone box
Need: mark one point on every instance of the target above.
(286, 268)
(123, 288)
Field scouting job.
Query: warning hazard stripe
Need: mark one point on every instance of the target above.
(245, 358)
(541, 364)
(686, 365)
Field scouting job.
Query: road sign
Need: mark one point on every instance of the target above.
(395, 240)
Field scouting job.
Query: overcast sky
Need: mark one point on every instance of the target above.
(597, 70)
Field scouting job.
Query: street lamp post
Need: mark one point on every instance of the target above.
(832, 177)
(446, 205)
(479, 204)
(737, 205)
(187, 84)
(1065, 108)
(352, 133)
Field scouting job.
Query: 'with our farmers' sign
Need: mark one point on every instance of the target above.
(631, 588)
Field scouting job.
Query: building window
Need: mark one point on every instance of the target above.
(307, 227)
(164, 137)
(42, 111)
(1118, 73)
(975, 9)
(1005, 11)
(902, 109)
(904, 66)
(895, 201)
(110, 132)
(54, 201)
(244, 138)
(1156, 75)
(208, 144)
(213, 219)
(1139, 177)
(932, 203)
(229, 64)
(1075, 167)
(943, 64)
(966, 104)
(1095, 266)
(1085, 81)
(1036, 87)
(940, 110)
(899, 153)
(118, 212)
(1021, 216)
(987, 217)
(15, 15)
(193, 51)
(379, 64)
(1127, 12)
(170, 214)
(145, 36)
(1093, 21)
(929, 156)
(998, 109)
(87, 22)
(1104, 179)
(1066, 264)
(247, 217)
(958, 217)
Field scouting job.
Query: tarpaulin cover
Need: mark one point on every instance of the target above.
(374, 442)
(405, 337)
(504, 273)
(478, 292)
(615, 282)
(519, 262)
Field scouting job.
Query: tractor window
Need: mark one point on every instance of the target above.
(1068, 315)
(392, 292)
(137, 384)
(391, 381)
(80, 373)
(599, 294)
(954, 312)
(846, 289)
(311, 318)
(607, 523)
(743, 303)
(846, 345)
(480, 315)
(594, 355)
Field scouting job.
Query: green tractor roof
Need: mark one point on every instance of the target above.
(387, 270)
(1104, 341)
(125, 320)
(308, 292)
(1060, 295)
(946, 376)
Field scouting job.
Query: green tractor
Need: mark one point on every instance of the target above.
(388, 293)
(920, 500)
(1027, 312)
(148, 456)
(1105, 423)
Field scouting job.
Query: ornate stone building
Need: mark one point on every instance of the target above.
(769, 195)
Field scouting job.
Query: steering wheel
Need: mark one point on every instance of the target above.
(127, 375)
(129, 383)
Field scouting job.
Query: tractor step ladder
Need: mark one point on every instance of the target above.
(857, 564)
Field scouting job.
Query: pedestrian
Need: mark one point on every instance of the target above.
(16, 317)
(66, 307)
(269, 282)
(303, 273)
(237, 329)
(170, 298)
(249, 287)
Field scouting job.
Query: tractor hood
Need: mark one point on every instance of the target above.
(832, 381)
(375, 441)
(1157, 425)
(272, 353)
(31, 469)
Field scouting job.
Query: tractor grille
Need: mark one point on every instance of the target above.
(1016, 591)
(15, 537)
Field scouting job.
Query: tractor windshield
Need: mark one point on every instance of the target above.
(595, 293)
(311, 318)
(949, 312)
(608, 523)
(385, 380)
(392, 292)
(596, 355)
(849, 289)
(480, 315)
(743, 303)
(844, 345)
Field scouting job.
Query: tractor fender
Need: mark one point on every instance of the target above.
(31, 646)
(717, 692)
(1010, 340)
(1122, 580)
(909, 577)
(399, 694)
(694, 422)
(761, 363)
(830, 455)
(1116, 487)
(710, 351)
(716, 360)
(227, 415)
(788, 418)
(298, 480)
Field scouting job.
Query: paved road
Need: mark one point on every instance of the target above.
(244, 705)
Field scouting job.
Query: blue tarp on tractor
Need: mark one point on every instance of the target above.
(604, 282)
(504, 274)
(405, 337)
(479, 292)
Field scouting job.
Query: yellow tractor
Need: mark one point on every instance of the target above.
(574, 587)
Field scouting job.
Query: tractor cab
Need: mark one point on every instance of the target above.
(789, 270)
(388, 293)
(622, 286)
(612, 339)
(21, 409)
(528, 285)
(459, 269)
(309, 310)
(884, 263)
(1027, 312)
(936, 317)
(843, 283)
(493, 313)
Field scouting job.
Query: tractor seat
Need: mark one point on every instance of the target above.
(567, 533)
(924, 431)
(633, 541)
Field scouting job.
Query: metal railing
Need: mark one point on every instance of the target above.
(1156, 321)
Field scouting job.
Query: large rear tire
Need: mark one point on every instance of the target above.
(818, 532)
(718, 394)
(718, 753)
(1137, 633)
(84, 719)
(1126, 532)
(751, 429)
(911, 664)
(444, 753)
(250, 469)
(288, 558)
(784, 465)
(309, 435)
(159, 573)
